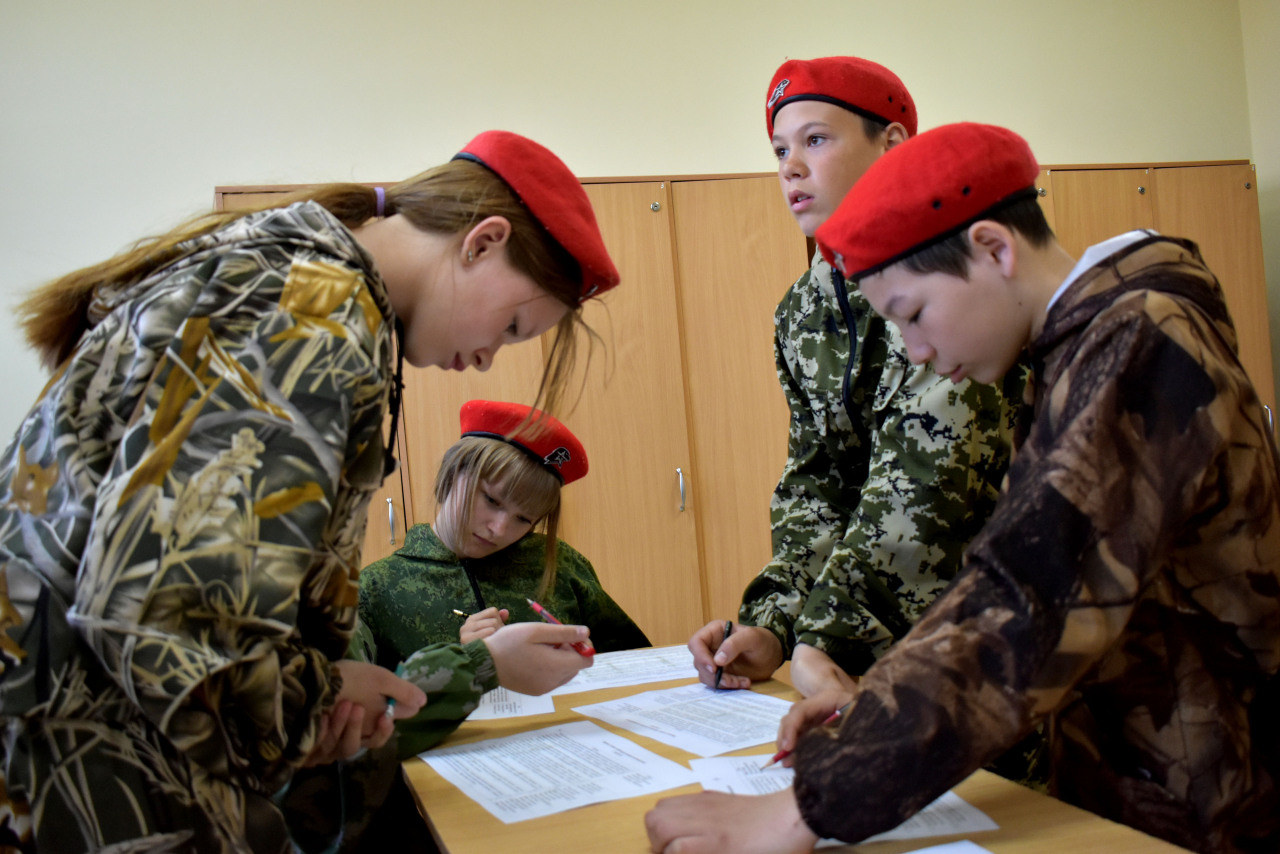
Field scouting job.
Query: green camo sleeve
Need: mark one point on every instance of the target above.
(454, 678)
(810, 505)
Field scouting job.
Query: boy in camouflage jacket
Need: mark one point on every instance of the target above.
(1127, 588)
(891, 467)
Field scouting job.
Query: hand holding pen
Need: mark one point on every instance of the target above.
(726, 655)
(582, 648)
(481, 624)
(801, 717)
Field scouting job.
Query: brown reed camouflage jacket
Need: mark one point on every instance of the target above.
(181, 515)
(1126, 589)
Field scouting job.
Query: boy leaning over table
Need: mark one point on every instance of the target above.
(1127, 588)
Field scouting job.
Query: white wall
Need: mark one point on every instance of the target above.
(116, 119)
(1260, 22)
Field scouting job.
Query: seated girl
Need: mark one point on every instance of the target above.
(457, 591)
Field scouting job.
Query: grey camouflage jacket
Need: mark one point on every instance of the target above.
(891, 470)
(1126, 590)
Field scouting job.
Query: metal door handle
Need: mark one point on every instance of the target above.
(680, 475)
(391, 520)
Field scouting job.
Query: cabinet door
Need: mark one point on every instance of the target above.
(388, 518)
(738, 250)
(627, 515)
(1217, 207)
(1092, 205)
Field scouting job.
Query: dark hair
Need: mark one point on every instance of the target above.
(951, 255)
(873, 128)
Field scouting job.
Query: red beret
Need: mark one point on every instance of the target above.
(923, 191)
(543, 438)
(865, 87)
(553, 195)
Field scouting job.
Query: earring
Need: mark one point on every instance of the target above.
(471, 256)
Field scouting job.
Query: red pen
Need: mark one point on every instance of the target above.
(585, 650)
(783, 754)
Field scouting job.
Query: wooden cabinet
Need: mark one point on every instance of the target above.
(739, 249)
(685, 423)
(681, 413)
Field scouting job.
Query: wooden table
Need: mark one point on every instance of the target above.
(1030, 823)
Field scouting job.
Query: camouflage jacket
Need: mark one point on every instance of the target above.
(1126, 589)
(891, 470)
(181, 515)
(407, 604)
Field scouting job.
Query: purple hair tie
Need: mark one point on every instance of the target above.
(382, 199)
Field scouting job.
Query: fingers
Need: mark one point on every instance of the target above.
(409, 697)
(678, 826)
(482, 624)
(704, 641)
(351, 736)
(707, 644)
(534, 658)
(339, 735)
(807, 714)
(382, 730)
(548, 633)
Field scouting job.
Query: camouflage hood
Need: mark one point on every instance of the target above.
(1168, 264)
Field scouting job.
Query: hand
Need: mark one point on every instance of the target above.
(807, 714)
(813, 672)
(533, 658)
(750, 653)
(482, 624)
(715, 822)
(370, 686)
(341, 734)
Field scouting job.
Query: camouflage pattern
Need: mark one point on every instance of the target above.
(874, 506)
(181, 516)
(406, 615)
(1126, 590)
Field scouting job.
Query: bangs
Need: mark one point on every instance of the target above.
(510, 472)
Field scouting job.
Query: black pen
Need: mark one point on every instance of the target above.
(728, 627)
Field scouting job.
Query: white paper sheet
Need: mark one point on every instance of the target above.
(744, 775)
(948, 814)
(964, 846)
(501, 703)
(696, 718)
(545, 771)
(632, 667)
(741, 775)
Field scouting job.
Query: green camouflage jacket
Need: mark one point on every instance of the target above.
(181, 515)
(879, 496)
(1126, 590)
(407, 604)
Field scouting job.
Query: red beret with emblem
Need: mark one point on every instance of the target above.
(553, 195)
(860, 85)
(926, 190)
(539, 435)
